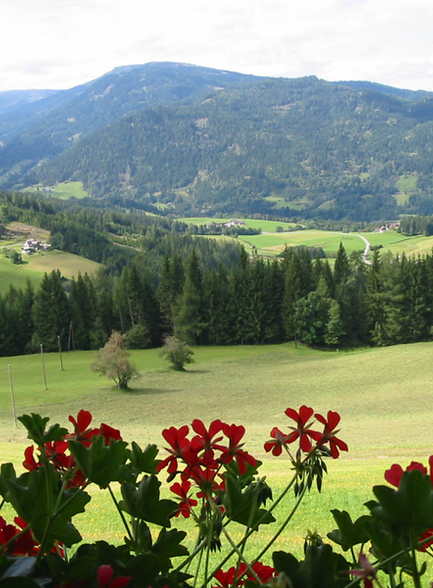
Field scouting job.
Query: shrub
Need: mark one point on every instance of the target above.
(177, 352)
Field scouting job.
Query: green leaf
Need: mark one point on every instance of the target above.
(242, 506)
(285, 563)
(100, 463)
(35, 426)
(33, 496)
(142, 542)
(144, 461)
(348, 533)
(144, 569)
(385, 542)
(7, 472)
(144, 503)
(322, 568)
(409, 508)
(168, 543)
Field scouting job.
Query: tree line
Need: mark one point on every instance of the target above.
(292, 298)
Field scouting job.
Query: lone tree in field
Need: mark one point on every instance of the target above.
(113, 361)
(177, 353)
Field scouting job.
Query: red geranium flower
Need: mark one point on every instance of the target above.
(329, 434)
(395, 472)
(235, 434)
(105, 573)
(204, 440)
(30, 463)
(180, 445)
(263, 572)
(227, 579)
(367, 571)
(302, 430)
(185, 504)
(81, 427)
(275, 445)
(109, 433)
(24, 544)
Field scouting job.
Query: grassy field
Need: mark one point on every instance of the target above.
(36, 265)
(264, 225)
(64, 190)
(270, 243)
(383, 395)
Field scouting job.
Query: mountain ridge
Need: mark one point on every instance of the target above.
(195, 140)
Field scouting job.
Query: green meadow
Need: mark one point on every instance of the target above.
(37, 264)
(384, 396)
(270, 242)
(64, 190)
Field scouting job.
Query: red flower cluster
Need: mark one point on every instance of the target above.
(395, 472)
(24, 544)
(308, 438)
(199, 459)
(393, 476)
(239, 575)
(57, 452)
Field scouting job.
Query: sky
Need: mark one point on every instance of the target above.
(58, 44)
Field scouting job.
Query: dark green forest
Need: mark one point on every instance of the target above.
(159, 280)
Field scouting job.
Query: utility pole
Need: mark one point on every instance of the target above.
(43, 366)
(12, 395)
(60, 352)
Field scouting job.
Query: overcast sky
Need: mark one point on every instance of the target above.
(62, 43)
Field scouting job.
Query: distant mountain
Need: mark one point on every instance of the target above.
(44, 129)
(13, 99)
(193, 140)
(382, 89)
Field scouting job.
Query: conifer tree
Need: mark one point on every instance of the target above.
(51, 313)
(190, 315)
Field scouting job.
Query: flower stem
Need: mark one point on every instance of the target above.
(122, 516)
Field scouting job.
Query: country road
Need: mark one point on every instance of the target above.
(367, 246)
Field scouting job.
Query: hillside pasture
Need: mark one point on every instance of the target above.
(36, 264)
(63, 190)
(384, 396)
(275, 243)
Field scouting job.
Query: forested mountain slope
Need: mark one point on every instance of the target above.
(193, 140)
(46, 127)
(285, 147)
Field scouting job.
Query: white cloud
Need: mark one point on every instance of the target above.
(61, 43)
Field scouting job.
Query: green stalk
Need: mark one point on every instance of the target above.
(199, 546)
(416, 576)
(209, 536)
(284, 525)
(122, 516)
(251, 531)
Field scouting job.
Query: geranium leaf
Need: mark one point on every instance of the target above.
(144, 461)
(168, 543)
(348, 533)
(7, 472)
(144, 503)
(410, 506)
(242, 505)
(33, 495)
(100, 463)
